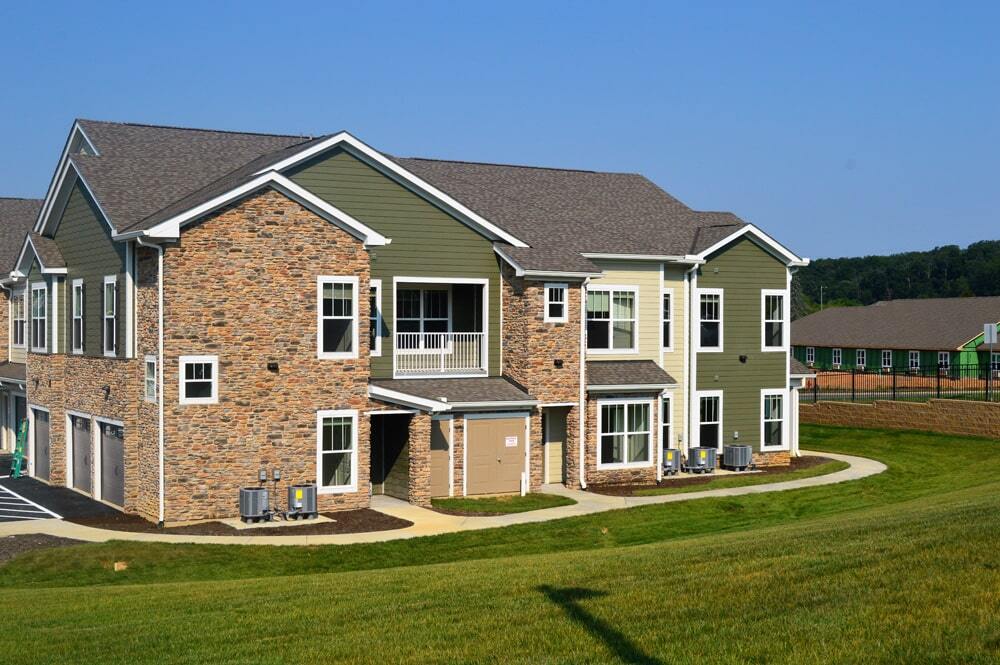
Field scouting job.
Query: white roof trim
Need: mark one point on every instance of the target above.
(56, 185)
(520, 271)
(170, 228)
(668, 258)
(404, 399)
(776, 247)
(61, 178)
(19, 269)
(635, 387)
(492, 405)
(361, 149)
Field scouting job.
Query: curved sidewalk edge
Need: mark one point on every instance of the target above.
(430, 523)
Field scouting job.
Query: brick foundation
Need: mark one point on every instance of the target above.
(966, 418)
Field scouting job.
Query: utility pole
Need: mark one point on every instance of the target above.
(821, 287)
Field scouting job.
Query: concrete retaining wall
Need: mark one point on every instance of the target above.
(937, 415)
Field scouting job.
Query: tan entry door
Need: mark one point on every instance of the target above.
(555, 443)
(440, 456)
(495, 454)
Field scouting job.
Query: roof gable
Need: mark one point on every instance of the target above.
(17, 216)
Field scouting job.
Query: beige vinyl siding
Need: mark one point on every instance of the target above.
(742, 270)
(426, 241)
(673, 361)
(644, 275)
(84, 240)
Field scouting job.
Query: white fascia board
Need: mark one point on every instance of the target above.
(687, 259)
(68, 176)
(170, 228)
(777, 248)
(55, 184)
(520, 271)
(360, 149)
(404, 399)
(637, 387)
(490, 406)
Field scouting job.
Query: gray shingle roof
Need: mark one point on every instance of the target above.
(626, 373)
(799, 369)
(928, 324)
(458, 391)
(13, 371)
(47, 251)
(17, 216)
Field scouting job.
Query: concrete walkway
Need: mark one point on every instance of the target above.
(431, 523)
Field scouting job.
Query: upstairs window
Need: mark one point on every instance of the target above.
(39, 316)
(860, 358)
(773, 318)
(667, 315)
(611, 319)
(338, 317)
(76, 334)
(555, 303)
(110, 329)
(838, 357)
(710, 320)
(810, 355)
(886, 359)
(375, 317)
(199, 377)
(422, 318)
(19, 315)
(149, 379)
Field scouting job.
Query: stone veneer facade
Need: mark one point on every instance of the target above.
(242, 285)
(639, 475)
(4, 324)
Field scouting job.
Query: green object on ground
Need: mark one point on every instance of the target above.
(501, 505)
(22, 440)
(742, 480)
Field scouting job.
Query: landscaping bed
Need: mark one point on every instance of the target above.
(12, 546)
(800, 467)
(486, 506)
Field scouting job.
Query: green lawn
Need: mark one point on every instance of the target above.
(899, 567)
(721, 482)
(499, 505)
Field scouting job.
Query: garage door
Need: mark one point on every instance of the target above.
(440, 456)
(113, 464)
(41, 443)
(81, 453)
(495, 455)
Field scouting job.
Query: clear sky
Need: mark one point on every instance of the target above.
(839, 128)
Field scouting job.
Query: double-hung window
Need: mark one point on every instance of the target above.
(337, 313)
(76, 334)
(149, 379)
(944, 360)
(772, 320)
(422, 318)
(914, 358)
(886, 359)
(336, 451)
(375, 317)
(710, 420)
(860, 358)
(810, 355)
(710, 320)
(611, 319)
(667, 331)
(555, 303)
(19, 314)
(110, 329)
(995, 361)
(838, 358)
(199, 376)
(39, 316)
(772, 419)
(666, 418)
(625, 434)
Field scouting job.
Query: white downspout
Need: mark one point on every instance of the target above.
(159, 365)
(582, 416)
(691, 357)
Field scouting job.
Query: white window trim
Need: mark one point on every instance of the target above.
(722, 315)
(666, 419)
(947, 359)
(771, 392)
(422, 347)
(785, 317)
(145, 385)
(109, 279)
(183, 361)
(912, 356)
(565, 302)
(884, 366)
(43, 287)
(376, 350)
(74, 300)
(836, 357)
(337, 489)
(722, 417)
(611, 288)
(810, 355)
(653, 439)
(337, 279)
(22, 296)
(860, 358)
(995, 361)
(667, 344)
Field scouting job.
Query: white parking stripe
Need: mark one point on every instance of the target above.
(29, 502)
(22, 510)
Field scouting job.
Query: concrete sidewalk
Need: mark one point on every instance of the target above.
(431, 523)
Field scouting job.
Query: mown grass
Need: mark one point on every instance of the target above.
(722, 482)
(900, 567)
(501, 505)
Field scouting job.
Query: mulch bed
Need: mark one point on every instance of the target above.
(684, 480)
(347, 521)
(12, 546)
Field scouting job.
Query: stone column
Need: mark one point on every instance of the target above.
(419, 441)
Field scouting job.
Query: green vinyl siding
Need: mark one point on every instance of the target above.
(873, 361)
(742, 270)
(426, 241)
(84, 240)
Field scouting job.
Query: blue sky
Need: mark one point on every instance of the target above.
(841, 130)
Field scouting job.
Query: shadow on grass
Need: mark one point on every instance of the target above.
(569, 600)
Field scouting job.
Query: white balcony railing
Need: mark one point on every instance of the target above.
(439, 354)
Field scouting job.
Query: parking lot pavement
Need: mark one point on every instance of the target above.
(15, 508)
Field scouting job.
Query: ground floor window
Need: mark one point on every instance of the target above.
(886, 359)
(915, 360)
(838, 356)
(810, 355)
(710, 420)
(772, 419)
(860, 358)
(625, 429)
(944, 359)
(199, 379)
(665, 421)
(337, 450)
(995, 362)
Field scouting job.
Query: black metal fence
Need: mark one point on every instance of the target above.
(969, 382)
